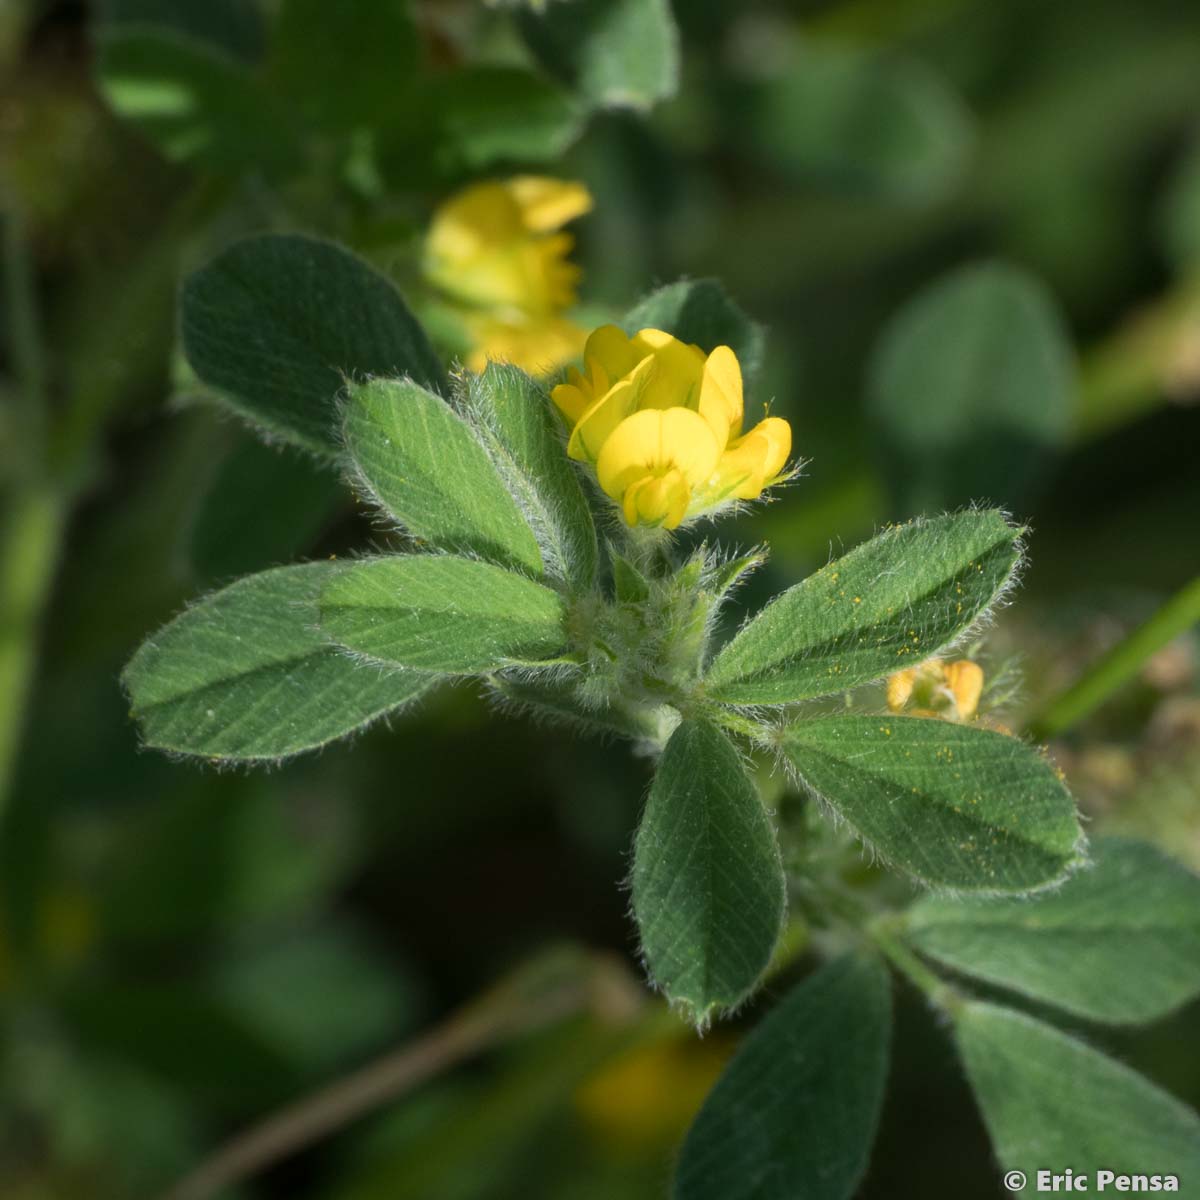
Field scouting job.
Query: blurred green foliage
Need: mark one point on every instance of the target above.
(182, 952)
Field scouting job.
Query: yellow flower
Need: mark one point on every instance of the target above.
(539, 345)
(498, 250)
(948, 690)
(661, 422)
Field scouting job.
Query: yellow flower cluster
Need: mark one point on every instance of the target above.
(661, 422)
(497, 250)
(938, 689)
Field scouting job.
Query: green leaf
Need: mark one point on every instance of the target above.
(700, 311)
(245, 674)
(708, 887)
(890, 603)
(796, 1111)
(193, 102)
(972, 389)
(233, 26)
(513, 416)
(486, 115)
(349, 64)
(278, 322)
(615, 53)
(1051, 1102)
(861, 123)
(427, 467)
(1119, 941)
(262, 507)
(954, 805)
(440, 613)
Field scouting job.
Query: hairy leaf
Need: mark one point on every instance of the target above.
(1051, 1102)
(277, 323)
(427, 467)
(512, 414)
(700, 311)
(439, 613)
(1119, 941)
(971, 389)
(888, 604)
(245, 674)
(796, 1110)
(708, 887)
(615, 53)
(954, 805)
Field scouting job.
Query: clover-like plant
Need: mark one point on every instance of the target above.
(536, 553)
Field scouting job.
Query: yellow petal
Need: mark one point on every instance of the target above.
(776, 435)
(546, 204)
(657, 500)
(653, 442)
(479, 216)
(610, 355)
(539, 345)
(570, 401)
(753, 461)
(721, 394)
(597, 424)
(900, 688)
(965, 681)
(674, 380)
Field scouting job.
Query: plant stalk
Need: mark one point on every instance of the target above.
(533, 999)
(1119, 665)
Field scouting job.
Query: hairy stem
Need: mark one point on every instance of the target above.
(1119, 665)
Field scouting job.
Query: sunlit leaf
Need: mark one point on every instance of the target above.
(955, 805)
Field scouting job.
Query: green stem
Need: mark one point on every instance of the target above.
(883, 930)
(29, 547)
(736, 723)
(1119, 665)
